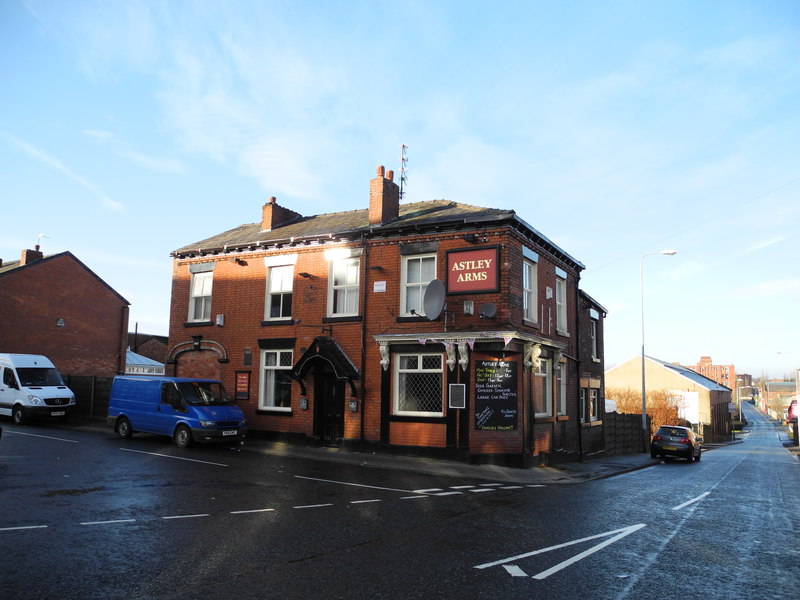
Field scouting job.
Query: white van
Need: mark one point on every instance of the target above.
(31, 386)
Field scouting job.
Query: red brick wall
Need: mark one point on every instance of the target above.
(37, 298)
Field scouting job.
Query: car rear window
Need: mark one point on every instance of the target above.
(673, 432)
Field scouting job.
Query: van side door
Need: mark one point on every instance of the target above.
(8, 390)
(171, 409)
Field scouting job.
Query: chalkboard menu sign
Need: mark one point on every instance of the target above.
(495, 395)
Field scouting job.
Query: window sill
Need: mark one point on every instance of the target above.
(412, 319)
(274, 412)
(198, 324)
(347, 319)
(562, 333)
(273, 322)
(404, 419)
(529, 323)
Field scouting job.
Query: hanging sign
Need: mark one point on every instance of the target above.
(474, 270)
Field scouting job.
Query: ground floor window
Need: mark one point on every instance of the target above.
(590, 404)
(275, 392)
(418, 385)
(543, 388)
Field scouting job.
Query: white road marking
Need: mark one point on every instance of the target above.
(617, 533)
(24, 527)
(454, 493)
(427, 491)
(365, 501)
(461, 487)
(491, 484)
(482, 490)
(255, 510)
(413, 497)
(372, 487)
(313, 506)
(205, 462)
(186, 516)
(112, 522)
(515, 571)
(692, 501)
(511, 487)
(47, 437)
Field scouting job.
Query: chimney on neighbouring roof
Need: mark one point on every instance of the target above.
(273, 216)
(384, 198)
(29, 256)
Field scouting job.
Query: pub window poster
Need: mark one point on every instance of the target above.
(496, 395)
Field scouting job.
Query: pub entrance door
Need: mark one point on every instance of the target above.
(328, 407)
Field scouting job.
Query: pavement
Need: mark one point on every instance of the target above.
(597, 467)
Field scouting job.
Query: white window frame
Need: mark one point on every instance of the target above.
(346, 288)
(561, 302)
(530, 272)
(595, 354)
(594, 404)
(418, 287)
(561, 389)
(266, 397)
(397, 371)
(544, 370)
(200, 290)
(286, 282)
(583, 399)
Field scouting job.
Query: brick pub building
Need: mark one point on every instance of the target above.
(432, 327)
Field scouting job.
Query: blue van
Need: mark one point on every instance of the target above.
(186, 409)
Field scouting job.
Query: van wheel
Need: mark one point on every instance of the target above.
(18, 415)
(182, 437)
(124, 430)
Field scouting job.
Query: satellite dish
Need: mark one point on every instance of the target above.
(487, 310)
(433, 301)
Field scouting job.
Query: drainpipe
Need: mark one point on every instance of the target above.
(364, 340)
(578, 365)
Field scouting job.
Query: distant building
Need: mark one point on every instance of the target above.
(58, 307)
(152, 346)
(701, 401)
(136, 364)
(722, 374)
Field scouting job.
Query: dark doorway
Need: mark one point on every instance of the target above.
(328, 407)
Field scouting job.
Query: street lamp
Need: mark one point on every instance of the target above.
(645, 432)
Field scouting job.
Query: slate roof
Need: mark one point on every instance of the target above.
(14, 266)
(696, 377)
(425, 215)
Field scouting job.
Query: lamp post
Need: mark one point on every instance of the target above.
(645, 433)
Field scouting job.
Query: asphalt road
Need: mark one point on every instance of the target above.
(85, 515)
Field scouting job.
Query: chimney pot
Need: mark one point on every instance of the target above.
(381, 170)
(390, 175)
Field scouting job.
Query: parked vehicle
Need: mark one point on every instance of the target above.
(186, 409)
(673, 440)
(31, 386)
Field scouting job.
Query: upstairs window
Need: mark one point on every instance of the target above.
(417, 273)
(543, 388)
(279, 292)
(343, 287)
(200, 296)
(561, 301)
(529, 290)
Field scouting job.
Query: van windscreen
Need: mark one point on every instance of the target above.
(203, 392)
(39, 377)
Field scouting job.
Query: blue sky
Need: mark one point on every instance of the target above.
(616, 128)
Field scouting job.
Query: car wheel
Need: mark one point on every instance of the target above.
(653, 454)
(124, 429)
(182, 437)
(697, 458)
(690, 458)
(18, 415)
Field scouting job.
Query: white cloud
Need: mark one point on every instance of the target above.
(55, 164)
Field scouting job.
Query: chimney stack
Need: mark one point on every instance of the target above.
(29, 256)
(273, 216)
(384, 198)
